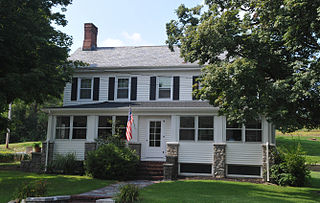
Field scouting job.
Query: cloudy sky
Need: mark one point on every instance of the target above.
(122, 22)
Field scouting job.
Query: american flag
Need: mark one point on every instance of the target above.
(129, 126)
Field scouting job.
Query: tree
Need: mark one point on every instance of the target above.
(260, 57)
(33, 53)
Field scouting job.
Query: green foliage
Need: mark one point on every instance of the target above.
(290, 167)
(111, 162)
(115, 139)
(12, 157)
(32, 189)
(128, 194)
(65, 164)
(261, 58)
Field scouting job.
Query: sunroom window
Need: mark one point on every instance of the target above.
(85, 88)
(234, 131)
(105, 126)
(123, 88)
(63, 127)
(164, 87)
(187, 128)
(253, 131)
(121, 124)
(196, 128)
(205, 128)
(79, 130)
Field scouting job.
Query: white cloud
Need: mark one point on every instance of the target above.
(134, 38)
(109, 42)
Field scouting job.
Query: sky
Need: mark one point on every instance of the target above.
(122, 22)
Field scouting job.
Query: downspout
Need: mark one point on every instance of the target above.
(47, 150)
(267, 157)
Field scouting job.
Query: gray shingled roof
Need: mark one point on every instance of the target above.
(163, 104)
(131, 56)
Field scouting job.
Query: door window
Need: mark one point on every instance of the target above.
(155, 134)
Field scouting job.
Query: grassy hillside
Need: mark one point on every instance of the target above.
(16, 147)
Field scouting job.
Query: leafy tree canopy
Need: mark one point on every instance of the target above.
(260, 57)
(33, 53)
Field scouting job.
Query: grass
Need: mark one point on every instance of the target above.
(311, 147)
(226, 191)
(16, 147)
(57, 184)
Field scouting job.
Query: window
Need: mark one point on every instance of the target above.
(63, 127)
(123, 88)
(253, 131)
(234, 131)
(85, 88)
(79, 130)
(187, 128)
(244, 170)
(164, 87)
(121, 124)
(155, 133)
(105, 126)
(195, 168)
(205, 128)
(196, 128)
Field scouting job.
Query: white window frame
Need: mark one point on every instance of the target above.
(116, 88)
(158, 88)
(79, 88)
(244, 176)
(243, 133)
(196, 128)
(56, 127)
(103, 128)
(71, 128)
(113, 123)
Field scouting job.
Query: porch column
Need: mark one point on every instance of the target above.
(171, 166)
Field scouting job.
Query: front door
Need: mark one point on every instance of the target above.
(154, 139)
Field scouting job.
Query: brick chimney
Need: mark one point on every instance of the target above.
(90, 37)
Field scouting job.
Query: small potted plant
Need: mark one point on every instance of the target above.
(37, 147)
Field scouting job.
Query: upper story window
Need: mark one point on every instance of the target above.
(250, 132)
(123, 88)
(164, 87)
(71, 125)
(196, 128)
(85, 88)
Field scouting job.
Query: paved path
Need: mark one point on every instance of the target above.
(113, 189)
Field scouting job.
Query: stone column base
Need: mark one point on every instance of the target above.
(219, 162)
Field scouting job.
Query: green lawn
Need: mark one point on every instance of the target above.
(57, 184)
(16, 147)
(311, 147)
(227, 191)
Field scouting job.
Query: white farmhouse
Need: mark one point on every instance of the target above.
(170, 126)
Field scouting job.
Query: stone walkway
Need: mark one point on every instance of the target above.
(113, 189)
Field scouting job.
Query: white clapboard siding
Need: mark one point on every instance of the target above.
(186, 87)
(143, 88)
(67, 94)
(244, 154)
(195, 152)
(64, 147)
(103, 90)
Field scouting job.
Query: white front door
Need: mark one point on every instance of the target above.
(155, 139)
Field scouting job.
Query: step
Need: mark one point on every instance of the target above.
(149, 177)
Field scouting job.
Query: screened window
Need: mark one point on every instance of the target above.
(187, 128)
(253, 131)
(234, 131)
(123, 88)
(85, 88)
(121, 124)
(165, 87)
(195, 168)
(63, 127)
(105, 126)
(155, 134)
(205, 128)
(244, 170)
(79, 130)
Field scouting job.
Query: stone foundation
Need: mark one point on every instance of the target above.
(88, 147)
(33, 165)
(272, 150)
(171, 166)
(219, 163)
(136, 147)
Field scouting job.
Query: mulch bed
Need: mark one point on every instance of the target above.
(249, 180)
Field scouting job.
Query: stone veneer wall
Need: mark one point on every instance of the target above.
(136, 147)
(33, 165)
(272, 149)
(88, 147)
(219, 163)
(170, 169)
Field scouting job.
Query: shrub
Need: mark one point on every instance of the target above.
(66, 164)
(290, 167)
(128, 193)
(111, 162)
(32, 189)
(7, 157)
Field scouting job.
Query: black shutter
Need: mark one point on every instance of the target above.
(96, 86)
(74, 89)
(195, 86)
(111, 88)
(133, 94)
(152, 88)
(176, 87)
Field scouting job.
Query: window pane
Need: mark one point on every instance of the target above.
(157, 143)
(122, 93)
(164, 93)
(205, 135)
(165, 82)
(121, 121)
(186, 134)
(80, 121)
(253, 135)
(253, 124)
(233, 125)
(205, 121)
(233, 135)
(104, 133)
(85, 93)
(187, 122)
(62, 133)
(123, 83)
(195, 168)
(63, 121)
(244, 170)
(79, 133)
(85, 83)
(105, 121)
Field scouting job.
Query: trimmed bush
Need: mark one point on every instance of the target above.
(12, 157)
(111, 162)
(65, 164)
(128, 193)
(32, 189)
